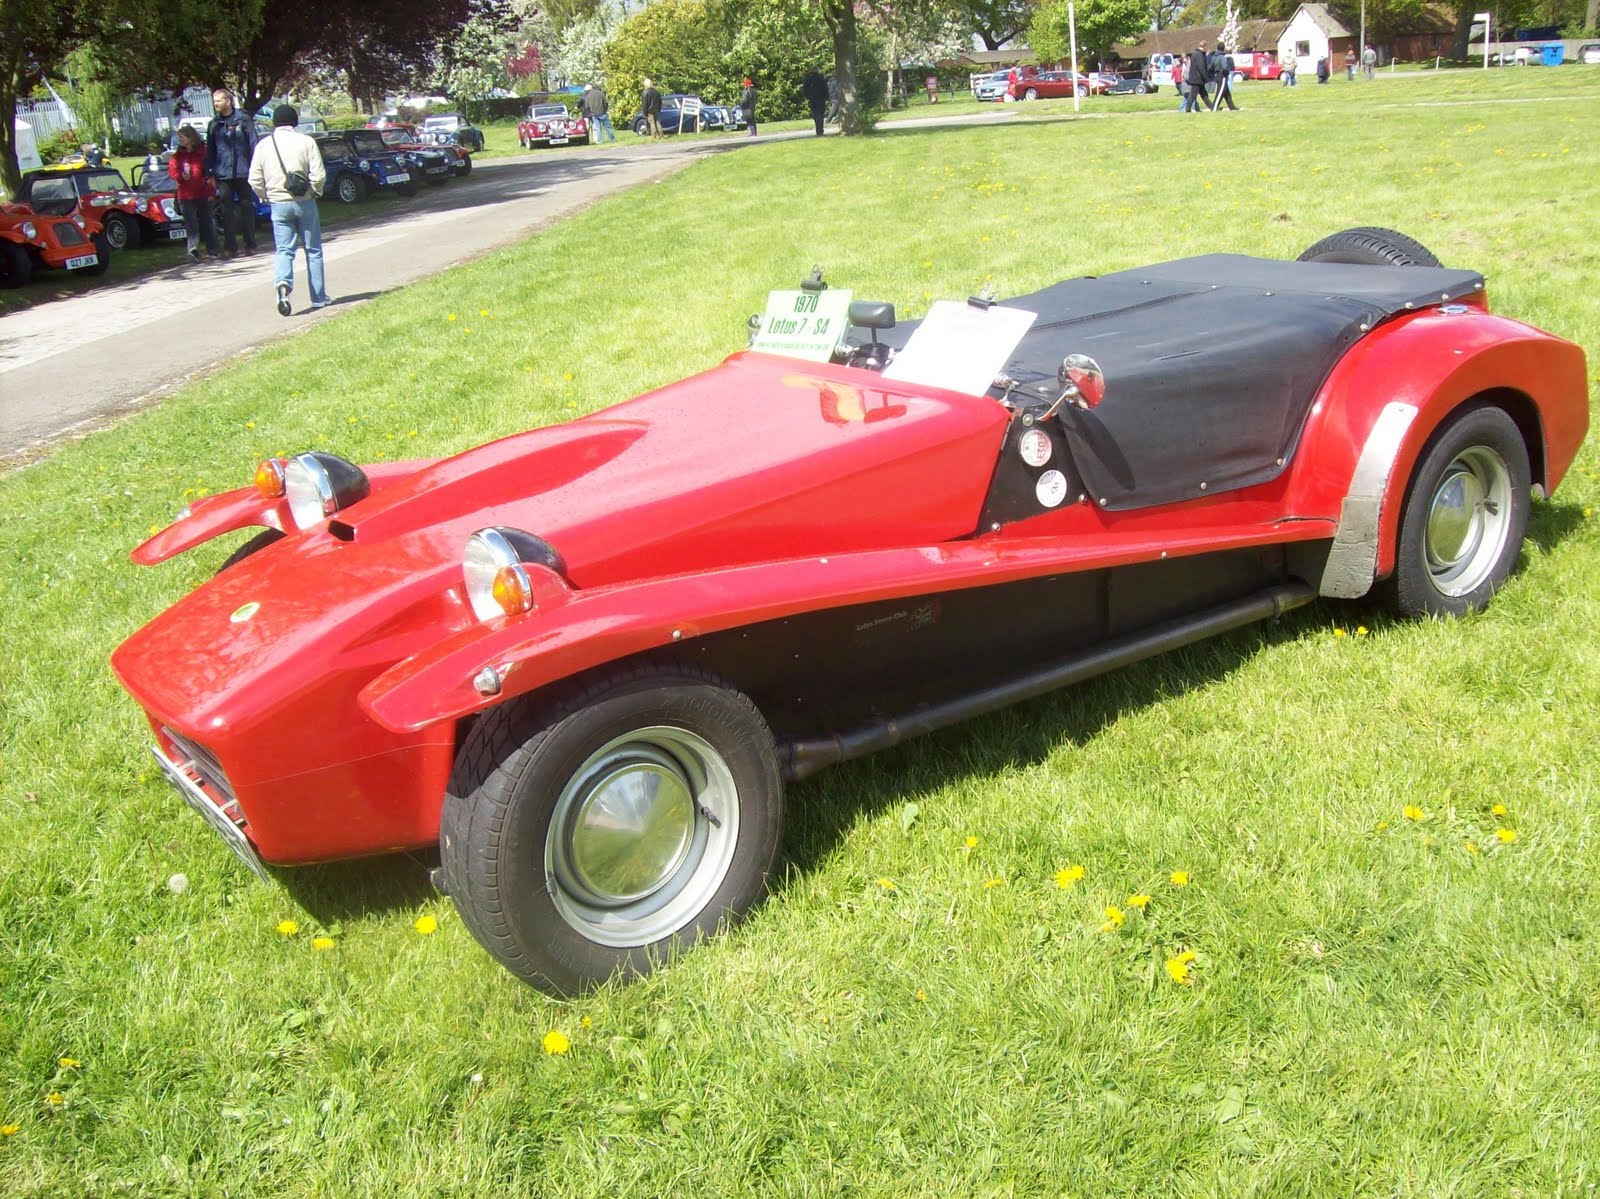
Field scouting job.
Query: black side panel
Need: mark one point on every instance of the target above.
(838, 668)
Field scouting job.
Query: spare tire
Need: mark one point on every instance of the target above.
(1370, 246)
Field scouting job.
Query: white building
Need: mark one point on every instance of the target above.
(1314, 33)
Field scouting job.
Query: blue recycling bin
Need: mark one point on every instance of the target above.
(1550, 54)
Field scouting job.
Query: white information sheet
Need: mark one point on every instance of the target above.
(804, 324)
(960, 347)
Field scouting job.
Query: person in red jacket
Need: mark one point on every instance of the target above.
(196, 191)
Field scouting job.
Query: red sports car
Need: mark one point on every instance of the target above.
(585, 659)
(551, 125)
(30, 240)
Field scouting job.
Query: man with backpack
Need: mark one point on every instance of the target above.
(230, 142)
(1197, 79)
(287, 169)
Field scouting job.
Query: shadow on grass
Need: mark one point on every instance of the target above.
(1551, 524)
(372, 886)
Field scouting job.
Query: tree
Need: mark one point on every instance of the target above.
(682, 44)
(470, 61)
(579, 49)
(1100, 25)
(34, 37)
(995, 22)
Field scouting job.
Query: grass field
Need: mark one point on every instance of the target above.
(1378, 1004)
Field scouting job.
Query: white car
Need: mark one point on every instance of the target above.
(1590, 54)
(990, 86)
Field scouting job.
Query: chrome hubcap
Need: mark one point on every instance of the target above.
(642, 836)
(1468, 521)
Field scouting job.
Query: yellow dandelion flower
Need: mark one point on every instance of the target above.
(1179, 878)
(1138, 901)
(989, 883)
(1412, 812)
(413, 433)
(1186, 956)
(321, 943)
(1066, 879)
(287, 928)
(1472, 847)
(54, 1099)
(1499, 809)
(586, 1022)
(556, 1042)
(451, 317)
(426, 925)
(887, 884)
(483, 312)
(922, 996)
(1361, 630)
(568, 376)
(1114, 920)
(352, 420)
(68, 1063)
(9, 1130)
(1179, 970)
(971, 843)
(1505, 835)
(249, 424)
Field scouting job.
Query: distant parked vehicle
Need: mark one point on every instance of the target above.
(551, 125)
(358, 162)
(433, 164)
(1590, 54)
(469, 134)
(713, 117)
(1128, 85)
(1255, 64)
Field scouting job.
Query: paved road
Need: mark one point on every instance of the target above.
(133, 332)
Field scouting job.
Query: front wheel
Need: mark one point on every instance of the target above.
(120, 231)
(594, 834)
(1082, 90)
(349, 189)
(1140, 88)
(1465, 515)
(464, 168)
(102, 249)
(639, 127)
(16, 268)
(408, 189)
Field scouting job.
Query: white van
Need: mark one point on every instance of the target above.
(1158, 69)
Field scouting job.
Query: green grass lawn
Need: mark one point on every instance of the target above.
(1378, 1005)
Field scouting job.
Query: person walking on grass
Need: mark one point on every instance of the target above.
(1198, 96)
(747, 105)
(650, 102)
(1289, 63)
(230, 142)
(598, 111)
(195, 192)
(816, 93)
(287, 169)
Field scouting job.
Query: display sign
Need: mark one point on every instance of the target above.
(690, 106)
(961, 347)
(804, 324)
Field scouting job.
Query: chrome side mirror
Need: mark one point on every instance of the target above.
(1082, 384)
(1081, 377)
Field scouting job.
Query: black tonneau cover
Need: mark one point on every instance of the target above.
(1210, 363)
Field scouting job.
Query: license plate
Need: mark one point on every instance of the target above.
(82, 260)
(219, 820)
(175, 234)
(558, 141)
(400, 177)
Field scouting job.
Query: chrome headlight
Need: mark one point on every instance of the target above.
(170, 208)
(497, 581)
(79, 221)
(364, 165)
(318, 485)
(30, 230)
(139, 205)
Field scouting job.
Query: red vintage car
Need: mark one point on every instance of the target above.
(130, 216)
(551, 125)
(32, 240)
(1051, 85)
(585, 659)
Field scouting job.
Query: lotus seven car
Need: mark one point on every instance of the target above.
(584, 660)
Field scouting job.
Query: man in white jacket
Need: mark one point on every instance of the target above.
(277, 161)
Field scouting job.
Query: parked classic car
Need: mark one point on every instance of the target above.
(712, 117)
(130, 217)
(434, 163)
(1049, 85)
(551, 125)
(31, 240)
(1589, 54)
(453, 123)
(357, 162)
(1126, 85)
(584, 659)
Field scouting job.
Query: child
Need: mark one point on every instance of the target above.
(195, 191)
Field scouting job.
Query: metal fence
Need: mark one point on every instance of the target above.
(139, 119)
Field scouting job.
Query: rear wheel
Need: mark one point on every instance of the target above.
(1370, 246)
(1031, 94)
(593, 834)
(1083, 89)
(1465, 515)
(1140, 88)
(121, 232)
(16, 268)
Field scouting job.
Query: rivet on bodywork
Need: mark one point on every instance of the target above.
(1202, 487)
(1104, 501)
(486, 681)
(677, 634)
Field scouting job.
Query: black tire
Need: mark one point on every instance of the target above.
(16, 268)
(259, 542)
(529, 770)
(639, 127)
(102, 251)
(1370, 246)
(464, 167)
(433, 181)
(408, 189)
(1083, 89)
(1465, 516)
(1031, 94)
(1141, 88)
(350, 189)
(122, 233)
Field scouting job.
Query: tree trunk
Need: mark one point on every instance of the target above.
(1591, 22)
(1458, 48)
(10, 172)
(841, 18)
